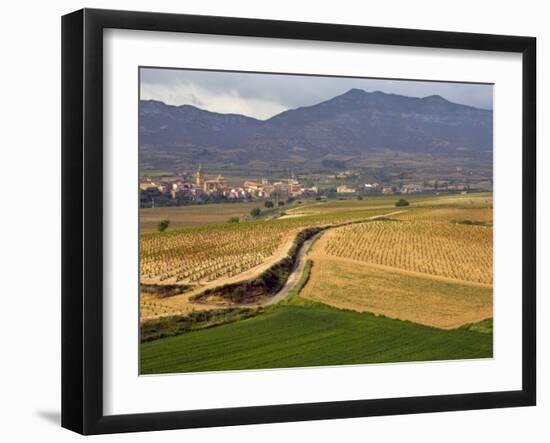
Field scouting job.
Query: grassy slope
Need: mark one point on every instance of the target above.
(193, 215)
(309, 334)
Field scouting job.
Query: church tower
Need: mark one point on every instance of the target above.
(200, 177)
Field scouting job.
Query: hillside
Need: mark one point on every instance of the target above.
(350, 124)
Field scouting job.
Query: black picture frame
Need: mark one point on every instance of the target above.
(82, 218)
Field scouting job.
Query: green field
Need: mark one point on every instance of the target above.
(194, 215)
(302, 334)
(210, 213)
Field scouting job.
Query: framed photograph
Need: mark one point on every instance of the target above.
(270, 221)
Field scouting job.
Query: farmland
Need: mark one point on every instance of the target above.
(202, 254)
(456, 251)
(205, 254)
(430, 301)
(193, 215)
(448, 214)
(309, 335)
(397, 284)
(430, 264)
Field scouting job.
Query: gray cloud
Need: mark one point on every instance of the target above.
(264, 95)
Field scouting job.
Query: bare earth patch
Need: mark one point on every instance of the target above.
(350, 284)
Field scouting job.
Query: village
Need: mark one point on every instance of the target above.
(177, 190)
(174, 190)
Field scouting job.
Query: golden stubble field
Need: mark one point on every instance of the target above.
(425, 268)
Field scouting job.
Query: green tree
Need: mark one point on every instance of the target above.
(268, 204)
(281, 203)
(402, 202)
(163, 225)
(233, 220)
(255, 212)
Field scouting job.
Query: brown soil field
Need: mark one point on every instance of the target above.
(203, 256)
(456, 251)
(358, 286)
(151, 306)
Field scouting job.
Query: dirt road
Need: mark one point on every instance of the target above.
(295, 274)
(153, 307)
(300, 263)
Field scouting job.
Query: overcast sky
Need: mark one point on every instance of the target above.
(264, 95)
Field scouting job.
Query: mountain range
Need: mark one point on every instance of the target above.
(350, 124)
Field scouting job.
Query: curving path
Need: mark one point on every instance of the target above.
(300, 263)
(295, 274)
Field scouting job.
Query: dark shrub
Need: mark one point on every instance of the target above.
(163, 225)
